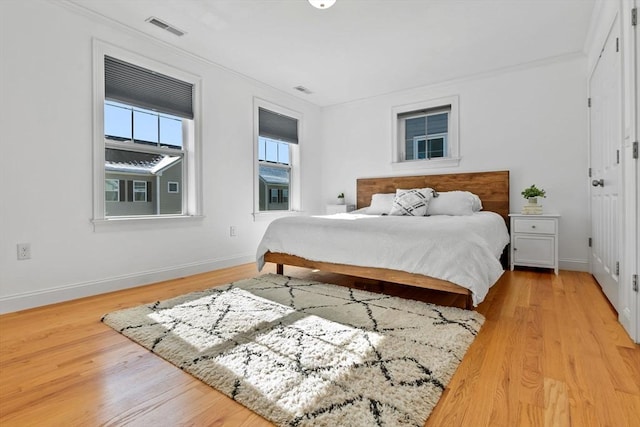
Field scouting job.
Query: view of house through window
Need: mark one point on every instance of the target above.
(277, 137)
(425, 134)
(136, 173)
(275, 174)
(146, 120)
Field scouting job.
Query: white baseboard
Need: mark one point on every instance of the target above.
(574, 264)
(22, 301)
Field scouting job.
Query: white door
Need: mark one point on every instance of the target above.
(605, 145)
(629, 297)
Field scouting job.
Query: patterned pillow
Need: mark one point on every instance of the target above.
(412, 202)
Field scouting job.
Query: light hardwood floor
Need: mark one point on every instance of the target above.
(551, 353)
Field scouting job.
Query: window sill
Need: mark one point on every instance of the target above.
(143, 221)
(426, 164)
(271, 215)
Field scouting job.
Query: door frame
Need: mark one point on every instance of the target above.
(630, 315)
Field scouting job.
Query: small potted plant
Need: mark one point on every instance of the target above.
(532, 193)
(341, 199)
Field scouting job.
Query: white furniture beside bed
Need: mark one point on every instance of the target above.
(335, 209)
(534, 240)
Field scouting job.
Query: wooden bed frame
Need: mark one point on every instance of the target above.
(491, 187)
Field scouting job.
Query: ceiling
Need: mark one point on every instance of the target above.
(361, 48)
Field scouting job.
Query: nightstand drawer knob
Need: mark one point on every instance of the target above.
(533, 226)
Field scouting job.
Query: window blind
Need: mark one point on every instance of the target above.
(276, 126)
(418, 113)
(140, 87)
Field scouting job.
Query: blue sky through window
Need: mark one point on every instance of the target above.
(117, 121)
(148, 126)
(145, 126)
(271, 150)
(171, 131)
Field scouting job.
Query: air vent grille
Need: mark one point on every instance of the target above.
(161, 24)
(303, 90)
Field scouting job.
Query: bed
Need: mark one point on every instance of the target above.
(283, 239)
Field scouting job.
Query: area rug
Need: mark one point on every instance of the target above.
(304, 353)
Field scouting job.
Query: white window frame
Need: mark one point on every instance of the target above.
(295, 205)
(117, 191)
(177, 185)
(192, 162)
(139, 191)
(452, 150)
(427, 139)
(271, 195)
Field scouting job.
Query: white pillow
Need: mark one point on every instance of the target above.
(361, 211)
(412, 202)
(454, 203)
(477, 203)
(381, 203)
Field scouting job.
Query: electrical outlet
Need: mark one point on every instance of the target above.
(232, 231)
(24, 251)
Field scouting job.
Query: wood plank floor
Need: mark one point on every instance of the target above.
(551, 353)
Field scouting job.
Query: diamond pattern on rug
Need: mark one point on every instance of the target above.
(303, 353)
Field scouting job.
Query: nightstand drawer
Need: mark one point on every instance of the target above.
(534, 226)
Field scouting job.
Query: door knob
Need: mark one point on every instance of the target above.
(597, 182)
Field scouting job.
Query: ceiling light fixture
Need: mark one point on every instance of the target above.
(322, 4)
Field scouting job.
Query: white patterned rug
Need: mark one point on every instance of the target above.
(307, 353)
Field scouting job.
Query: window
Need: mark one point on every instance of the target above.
(426, 134)
(146, 137)
(274, 172)
(277, 152)
(173, 187)
(127, 123)
(139, 191)
(112, 190)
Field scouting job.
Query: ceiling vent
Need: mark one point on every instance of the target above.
(161, 24)
(303, 90)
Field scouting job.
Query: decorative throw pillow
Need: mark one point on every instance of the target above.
(381, 203)
(412, 202)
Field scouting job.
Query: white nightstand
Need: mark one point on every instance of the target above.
(334, 209)
(534, 240)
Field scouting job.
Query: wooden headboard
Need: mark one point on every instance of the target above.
(491, 187)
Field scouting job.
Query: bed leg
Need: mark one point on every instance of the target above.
(468, 302)
(280, 269)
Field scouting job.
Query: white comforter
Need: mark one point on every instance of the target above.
(464, 250)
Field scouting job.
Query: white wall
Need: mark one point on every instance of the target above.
(46, 145)
(529, 120)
